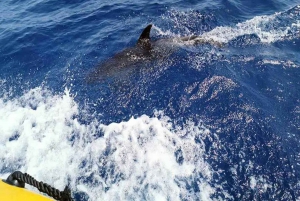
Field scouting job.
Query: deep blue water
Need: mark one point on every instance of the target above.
(205, 123)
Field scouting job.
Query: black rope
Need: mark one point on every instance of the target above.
(43, 187)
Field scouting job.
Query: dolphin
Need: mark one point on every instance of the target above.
(145, 50)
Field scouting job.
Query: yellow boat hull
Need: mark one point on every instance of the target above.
(13, 193)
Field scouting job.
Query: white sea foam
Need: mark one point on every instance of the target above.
(133, 160)
(286, 64)
(35, 129)
(259, 184)
(269, 28)
(266, 27)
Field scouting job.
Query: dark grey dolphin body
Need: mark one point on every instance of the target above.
(145, 50)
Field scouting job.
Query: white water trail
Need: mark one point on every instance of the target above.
(132, 160)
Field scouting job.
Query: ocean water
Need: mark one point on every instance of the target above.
(205, 123)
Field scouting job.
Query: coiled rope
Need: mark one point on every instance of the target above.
(42, 187)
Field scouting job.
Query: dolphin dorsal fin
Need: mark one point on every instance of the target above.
(144, 39)
(146, 33)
